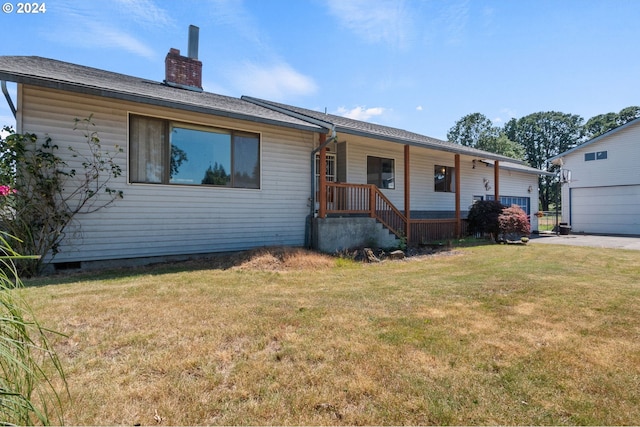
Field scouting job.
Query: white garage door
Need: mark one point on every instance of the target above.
(608, 210)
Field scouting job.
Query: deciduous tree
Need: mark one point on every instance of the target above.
(544, 135)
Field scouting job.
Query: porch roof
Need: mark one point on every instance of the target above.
(54, 74)
(386, 133)
(518, 167)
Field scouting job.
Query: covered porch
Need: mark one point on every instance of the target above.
(342, 199)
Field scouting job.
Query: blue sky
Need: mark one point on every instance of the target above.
(411, 64)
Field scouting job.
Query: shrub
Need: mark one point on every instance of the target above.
(514, 223)
(483, 217)
(41, 194)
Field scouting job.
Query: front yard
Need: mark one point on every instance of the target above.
(490, 334)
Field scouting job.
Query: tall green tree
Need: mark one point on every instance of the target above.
(602, 123)
(627, 114)
(597, 125)
(472, 130)
(544, 135)
(477, 131)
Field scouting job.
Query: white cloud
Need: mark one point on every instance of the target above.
(275, 82)
(360, 113)
(386, 21)
(419, 108)
(114, 38)
(110, 26)
(145, 12)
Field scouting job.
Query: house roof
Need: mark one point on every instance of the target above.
(51, 73)
(372, 130)
(596, 139)
(56, 74)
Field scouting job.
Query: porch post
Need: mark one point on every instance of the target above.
(457, 194)
(496, 181)
(407, 192)
(322, 179)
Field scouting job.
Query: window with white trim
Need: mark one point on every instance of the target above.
(444, 179)
(167, 152)
(381, 172)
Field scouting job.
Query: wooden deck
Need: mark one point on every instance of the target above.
(365, 199)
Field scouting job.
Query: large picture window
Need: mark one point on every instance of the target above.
(165, 152)
(381, 172)
(444, 179)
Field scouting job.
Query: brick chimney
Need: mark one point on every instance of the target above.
(185, 72)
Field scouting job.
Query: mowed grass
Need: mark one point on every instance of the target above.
(535, 334)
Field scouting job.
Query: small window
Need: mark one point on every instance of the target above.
(444, 179)
(600, 155)
(381, 172)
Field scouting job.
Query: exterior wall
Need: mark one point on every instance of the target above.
(425, 201)
(159, 220)
(620, 168)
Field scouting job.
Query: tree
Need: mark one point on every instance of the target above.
(477, 131)
(178, 156)
(44, 194)
(216, 175)
(472, 130)
(627, 114)
(504, 146)
(602, 123)
(544, 135)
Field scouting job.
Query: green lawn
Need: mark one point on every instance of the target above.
(493, 334)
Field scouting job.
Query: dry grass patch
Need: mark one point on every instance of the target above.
(493, 335)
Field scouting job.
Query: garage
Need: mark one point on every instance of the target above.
(606, 210)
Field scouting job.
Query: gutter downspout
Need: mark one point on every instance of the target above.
(8, 98)
(326, 125)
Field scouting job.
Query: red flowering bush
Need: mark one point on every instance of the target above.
(514, 223)
(5, 190)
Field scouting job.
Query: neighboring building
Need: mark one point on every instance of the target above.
(252, 175)
(601, 183)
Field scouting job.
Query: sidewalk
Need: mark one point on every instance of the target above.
(617, 242)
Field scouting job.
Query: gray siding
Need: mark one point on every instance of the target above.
(157, 220)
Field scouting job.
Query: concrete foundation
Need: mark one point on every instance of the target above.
(335, 234)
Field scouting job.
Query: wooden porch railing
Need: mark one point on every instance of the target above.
(365, 199)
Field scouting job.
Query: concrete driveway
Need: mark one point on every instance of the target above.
(617, 242)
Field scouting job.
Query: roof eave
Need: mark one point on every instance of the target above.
(594, 140)
(425, 144)
(125, 96)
